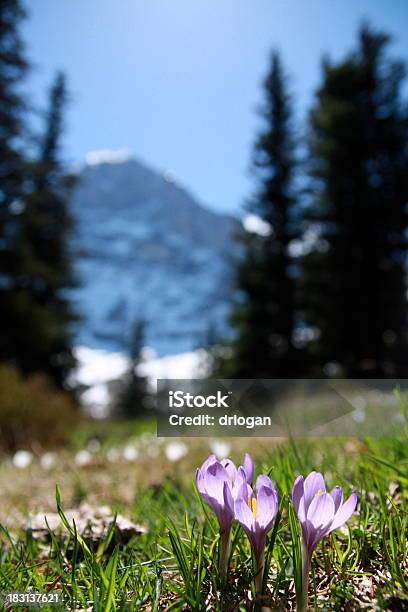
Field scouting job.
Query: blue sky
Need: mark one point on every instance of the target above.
(178, 82)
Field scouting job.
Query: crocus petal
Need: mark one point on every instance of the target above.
(224, 516)
(337, 495)
(215, 486)
(218, 470)
(198, 475)
(318, 520)
(298, 498)
(230, 468)
(228, 499)
(321, 511)
(266, 507)
(312, 535)
(240, 486)
(213, 482)
(248, 466)
(199, 481)
(313, 484)
(243, 492)
(210, 459)
(263, 481)
(244, 515)
(345, 511)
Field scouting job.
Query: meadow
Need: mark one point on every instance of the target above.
(166, 556)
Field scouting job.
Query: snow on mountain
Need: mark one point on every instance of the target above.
(146, 249)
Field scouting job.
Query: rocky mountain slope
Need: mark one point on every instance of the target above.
(146, 249)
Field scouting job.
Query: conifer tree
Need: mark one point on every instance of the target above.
(44, 316)
(134, 399)
(13, 69)
(264, 317)
(353, 282)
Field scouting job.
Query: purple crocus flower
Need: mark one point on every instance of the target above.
(234, 473)
(255, 511)
(219, 483)
(319, 513)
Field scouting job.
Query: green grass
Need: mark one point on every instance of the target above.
(107, 433)
(174, 565)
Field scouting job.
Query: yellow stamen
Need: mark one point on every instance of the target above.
(252, 505)
(319, 492)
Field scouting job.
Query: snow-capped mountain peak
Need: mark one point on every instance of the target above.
(146, 249)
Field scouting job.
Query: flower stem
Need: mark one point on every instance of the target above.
(259, 574)
(225, 550)
(305, 579)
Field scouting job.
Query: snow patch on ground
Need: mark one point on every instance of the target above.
(97, 368)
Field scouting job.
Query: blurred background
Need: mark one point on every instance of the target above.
(195, 189)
